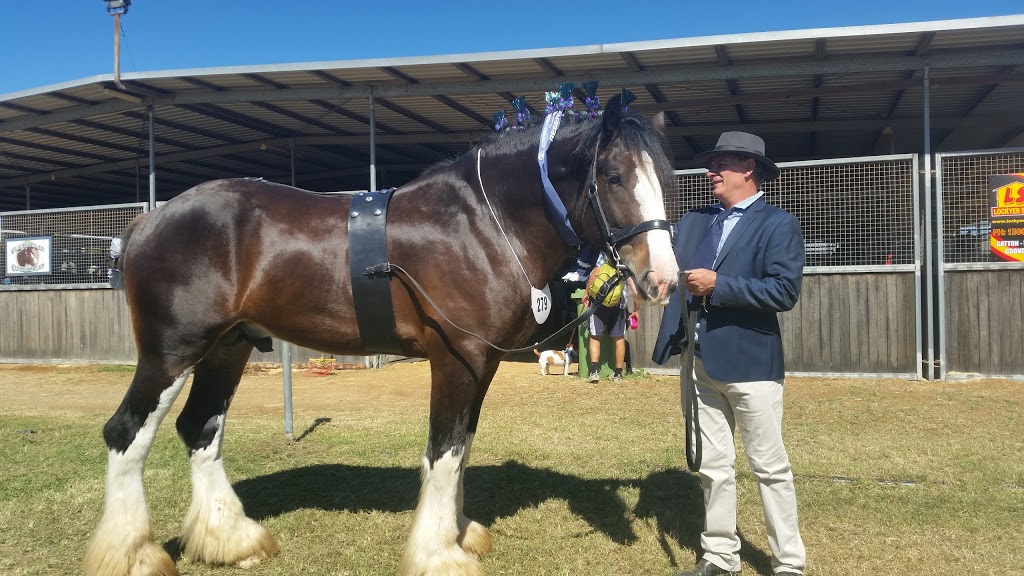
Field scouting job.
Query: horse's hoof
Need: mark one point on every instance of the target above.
(475, 539)
(453, 561)
(241, 542)
(254, 560)
(143, 559)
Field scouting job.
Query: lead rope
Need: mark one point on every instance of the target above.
(388, 268)
(688, 392)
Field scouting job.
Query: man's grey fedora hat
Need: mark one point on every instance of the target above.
(742, 144)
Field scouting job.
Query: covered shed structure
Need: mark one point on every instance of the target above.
(863, 119)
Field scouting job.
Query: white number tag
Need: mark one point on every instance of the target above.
(541, 303)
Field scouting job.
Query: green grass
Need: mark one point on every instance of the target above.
(572, 478)
(119, 368)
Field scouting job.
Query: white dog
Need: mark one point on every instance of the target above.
(549, 358)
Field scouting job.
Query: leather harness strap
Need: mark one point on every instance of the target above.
(371, 292)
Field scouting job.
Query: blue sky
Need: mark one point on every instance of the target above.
(44, 43)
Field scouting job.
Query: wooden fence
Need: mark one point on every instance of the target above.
(89, 326)
(984, 321)
(864, 309)
(842, 324)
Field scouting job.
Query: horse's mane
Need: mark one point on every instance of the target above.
(514, 142)
(636, 133)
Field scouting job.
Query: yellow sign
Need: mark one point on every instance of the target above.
(1006, 240)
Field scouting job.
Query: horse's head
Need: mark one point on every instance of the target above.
(633, 169)
(28, 256)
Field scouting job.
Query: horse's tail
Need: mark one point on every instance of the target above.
(118, 248)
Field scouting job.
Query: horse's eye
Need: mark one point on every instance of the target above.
(614, 179)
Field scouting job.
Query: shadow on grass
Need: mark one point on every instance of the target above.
(671, 499)
(316, 424)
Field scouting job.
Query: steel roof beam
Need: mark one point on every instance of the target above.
(398, 74)
(34, 159)
(658, 97)
(820, 52)
(46, 190)
(975, 102)
(53, 149)
(474, 73)
(810, 92)
(460, 108)
(548, 67)
(675, 74)
(359, 117)
(924, 42)
(722, 54)
(148, 89)
(794, 126)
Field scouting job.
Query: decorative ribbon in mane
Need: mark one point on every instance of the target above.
(554, 208)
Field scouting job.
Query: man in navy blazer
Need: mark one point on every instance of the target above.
(743, 263)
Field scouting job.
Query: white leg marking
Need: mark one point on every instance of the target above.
(123, 542)
(474, 537)
(652, 207)
(216, 529)
(462, 471)
(433, 549)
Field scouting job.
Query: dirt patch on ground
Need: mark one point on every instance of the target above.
(76, 388)
(27, 388)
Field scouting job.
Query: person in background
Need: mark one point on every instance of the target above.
(114, 270)
(610, 321)
(742, 260)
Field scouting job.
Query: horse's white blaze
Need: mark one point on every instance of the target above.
(124, 535)
(652, 207)
(432, 546)
(216, 529)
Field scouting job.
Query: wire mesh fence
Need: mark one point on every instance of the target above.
(852, 212)
(65, 246)
(965, 201)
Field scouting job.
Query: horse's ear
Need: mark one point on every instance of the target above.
(659, 122)
(612, 116)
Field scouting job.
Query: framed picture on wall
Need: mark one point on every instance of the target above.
(29, 256)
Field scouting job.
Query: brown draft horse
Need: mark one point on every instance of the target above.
(228, 262)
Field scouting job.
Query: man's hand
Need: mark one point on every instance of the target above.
(700, 281)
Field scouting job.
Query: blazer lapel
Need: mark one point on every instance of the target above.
(749, 215)
(694, 234)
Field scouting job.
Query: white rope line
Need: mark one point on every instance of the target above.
(489, 207)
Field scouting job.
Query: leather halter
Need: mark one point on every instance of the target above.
(614, 238)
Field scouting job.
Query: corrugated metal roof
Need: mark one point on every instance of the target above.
(832, 92)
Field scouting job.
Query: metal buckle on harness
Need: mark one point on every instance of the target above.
(378, 270)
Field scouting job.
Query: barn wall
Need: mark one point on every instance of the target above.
(978, 295)
(858, 313)
(842, 323)
(65, 326)
(89, 326)
(984, 322)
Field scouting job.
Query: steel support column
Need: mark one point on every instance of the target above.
(286, 347)
(373, 361)
(929, 234)
(152, 156)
